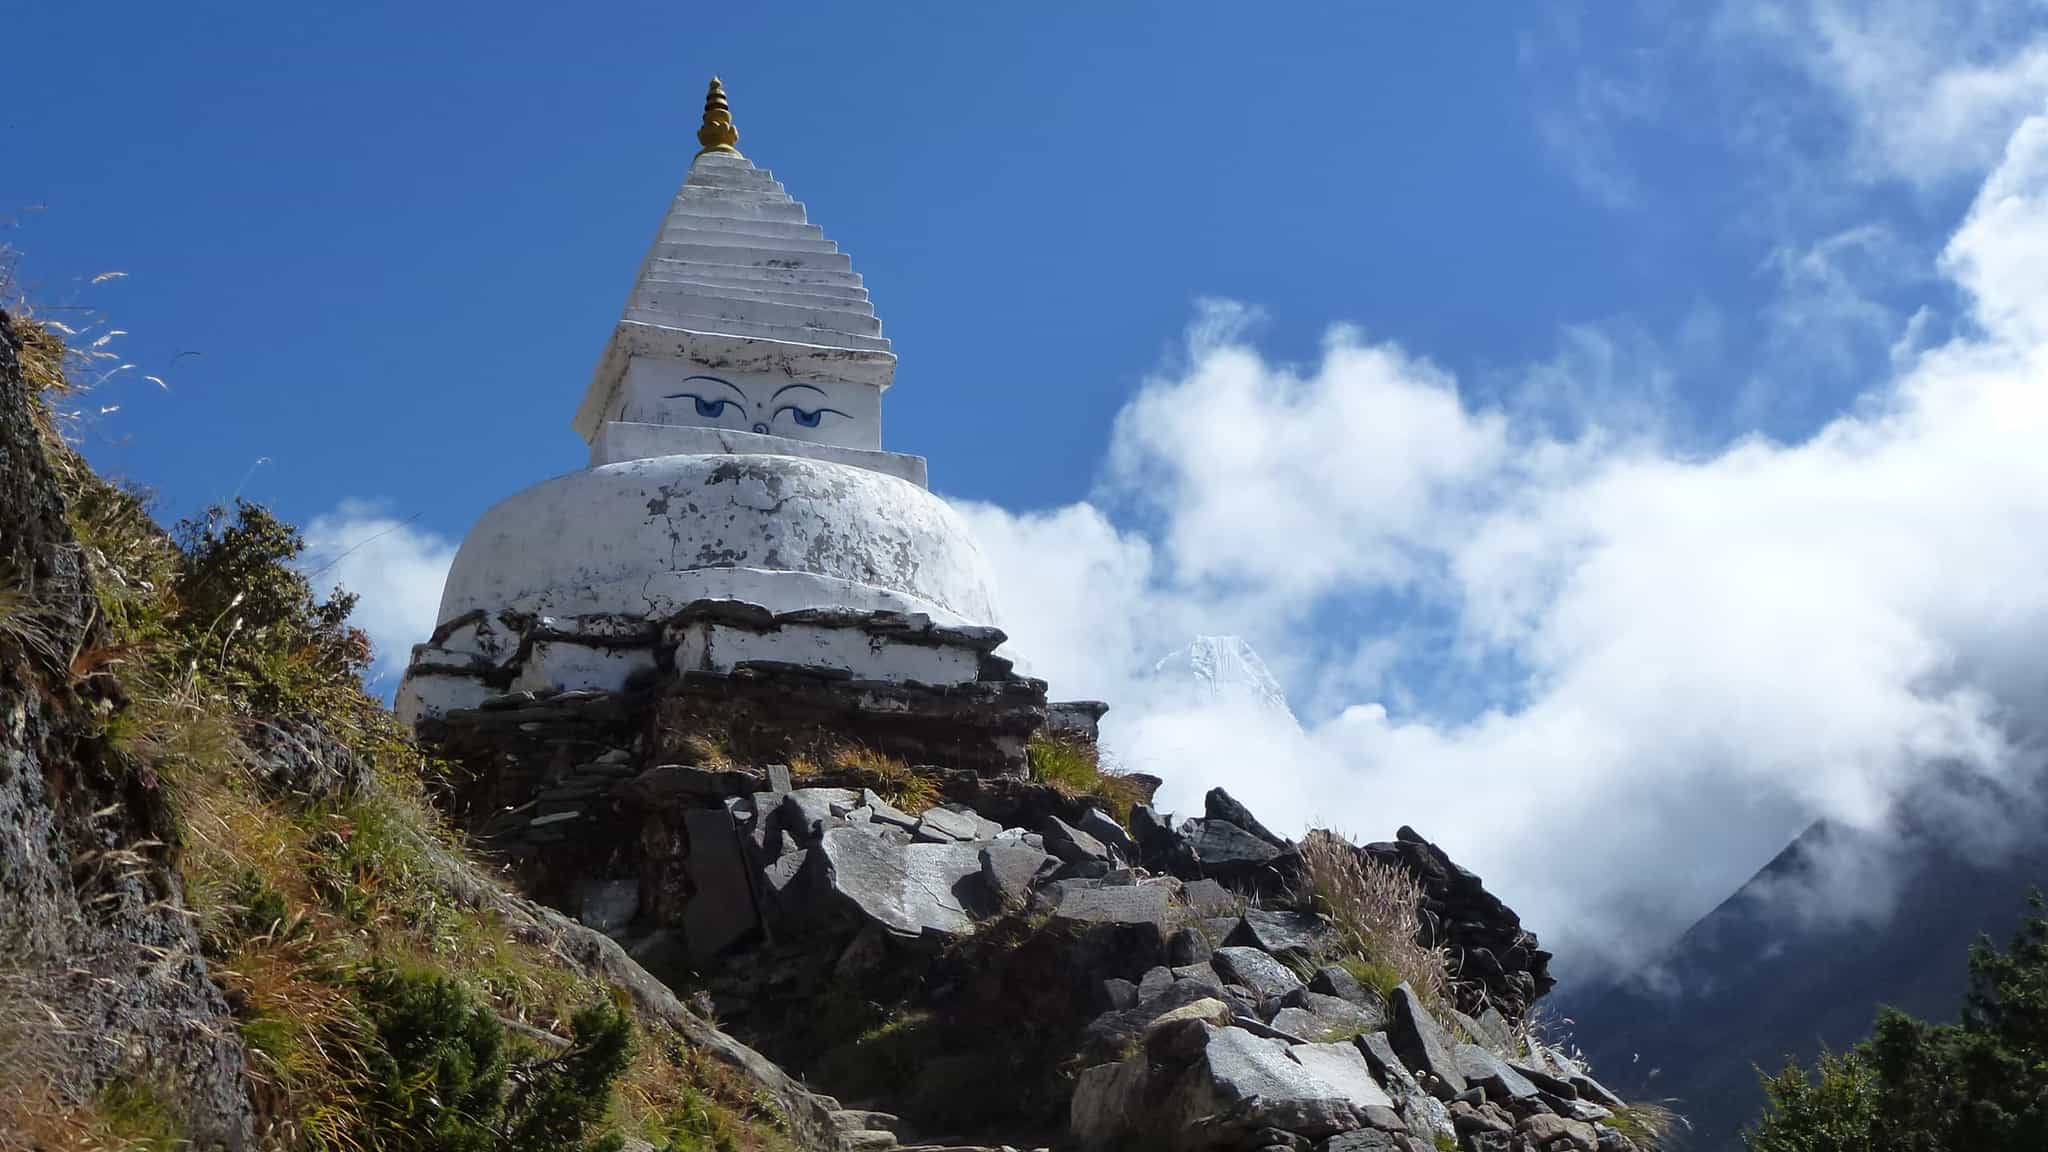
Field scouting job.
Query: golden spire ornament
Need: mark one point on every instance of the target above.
(717, 134)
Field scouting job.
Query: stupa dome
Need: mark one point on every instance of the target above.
(647, 537)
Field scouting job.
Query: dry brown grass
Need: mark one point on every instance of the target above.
(1376, 909)
(892, 779)
(1647, 1124)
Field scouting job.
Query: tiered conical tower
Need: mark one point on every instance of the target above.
(736, 474)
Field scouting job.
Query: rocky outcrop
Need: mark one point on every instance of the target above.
(98, 962)
(1494, 961)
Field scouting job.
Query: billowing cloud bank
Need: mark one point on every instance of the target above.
(1671, 663)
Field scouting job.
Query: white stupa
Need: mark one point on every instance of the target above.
(736, 478)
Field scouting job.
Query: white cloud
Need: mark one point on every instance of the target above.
(1931, 91)
(1704, 651)
(396, 569)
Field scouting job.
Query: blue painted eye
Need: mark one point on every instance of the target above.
(711, 409)
(805, 417)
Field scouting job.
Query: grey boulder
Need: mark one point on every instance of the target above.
(1423, 1046)
(909, 889)
(1255, 970)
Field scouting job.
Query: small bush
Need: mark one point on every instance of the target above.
(1075, 769)
(892, 779)
(1375, 908)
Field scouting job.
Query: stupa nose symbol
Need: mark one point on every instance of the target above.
(760, 426)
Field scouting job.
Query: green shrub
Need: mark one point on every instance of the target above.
(1981, 1084)
(441, 1071)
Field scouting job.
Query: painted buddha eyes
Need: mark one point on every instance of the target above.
(716, 407)
(807, 417)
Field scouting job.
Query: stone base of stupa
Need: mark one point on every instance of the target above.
(765, 682)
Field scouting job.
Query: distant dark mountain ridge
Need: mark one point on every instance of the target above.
(1750, 983)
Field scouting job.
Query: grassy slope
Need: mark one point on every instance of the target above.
(313, 907)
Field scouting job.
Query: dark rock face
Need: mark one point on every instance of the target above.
(108, 948)
(1423, 1047)
(1493, 960)
(1221, 805)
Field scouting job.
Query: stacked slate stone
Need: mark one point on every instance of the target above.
(1230, 1049)
(1494, 962)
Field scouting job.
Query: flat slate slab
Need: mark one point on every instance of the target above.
(1284, 933)
(1070, 843)
(1344, 1068)
(942, 824)
(1246, 1070)
(1011, 870)
(910, 889)
(1255, 970)
(807, 811)
(1104, 828)
(1482, 1068)
(1226, 849)
(721, 907)
(1142, 904)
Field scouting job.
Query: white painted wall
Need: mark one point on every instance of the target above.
(709, 646)
(690, 394)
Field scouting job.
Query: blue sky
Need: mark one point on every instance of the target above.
(1583, 408)
(397, 237)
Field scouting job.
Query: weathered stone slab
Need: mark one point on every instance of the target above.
(1332, 980)
(1133, 905)
(1426, 1116)
(1011, 870)
(1227, 850)
(1188, 946)
(721, 908)
(807, 812)
(1423, 1046)
(1343, 1067)
(1254, 1076)
(1106, 1099)
(1070, 843)
(1297, 1022)
(1284, 933)
(1155, 981)
(883, 812)
(944, 824)
(908, 889)
(1336, 1016)
(1220, 805)
(1117, 995)
(1255, 970)
(1482, 1068)
(668, 783)
(1202, 974)
(1104, 828)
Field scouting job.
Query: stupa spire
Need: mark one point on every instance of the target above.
(717, 133)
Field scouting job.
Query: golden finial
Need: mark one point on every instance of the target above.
(717, 134)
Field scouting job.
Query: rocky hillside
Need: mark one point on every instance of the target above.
(228, 919)
(241, 908)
